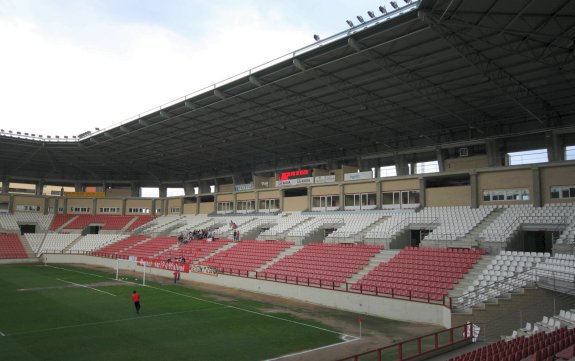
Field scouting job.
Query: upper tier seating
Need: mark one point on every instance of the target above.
(91, 242)
(59, 220)
(246, 256)
(56, 242)
(194, 250)
(543, 346)
(108, 222)
(560, 267)
(140, 221)
(507, 271)
(427, 273)
(151, 247)
(391, 226)
(513, 217)
(11, 246)
(34, 240)
(285, 222)
(453, 222)
(11, 221)
(121, 246)
(322, 262)
(354, 222)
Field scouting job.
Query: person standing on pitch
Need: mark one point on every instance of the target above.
(136, 300)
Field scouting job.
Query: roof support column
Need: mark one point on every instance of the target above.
(494, 156)
(78, 187)
(401, 167)
(163, 190)
(39, 187)
(473, 188)
(189, 188)
(5, 185)
(536, 196)
(555, 147)
(440, 159)
(135, 189)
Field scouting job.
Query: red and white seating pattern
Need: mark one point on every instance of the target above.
(11, 246)
(427, 273)
(322, 262)
(247, 256)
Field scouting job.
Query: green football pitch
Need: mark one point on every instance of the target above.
(63, 313)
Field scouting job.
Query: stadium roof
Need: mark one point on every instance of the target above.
(449, 73)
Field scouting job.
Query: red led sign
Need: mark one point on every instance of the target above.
(294, 174)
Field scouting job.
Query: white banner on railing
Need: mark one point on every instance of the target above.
(324, 179)
(293, 182)
(358, 176)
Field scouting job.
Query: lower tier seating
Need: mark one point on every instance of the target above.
(247, 255)
(540, 346)
(322, 262)
(427, 273)
(11, 246)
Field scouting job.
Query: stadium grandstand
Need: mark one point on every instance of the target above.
(418, 166)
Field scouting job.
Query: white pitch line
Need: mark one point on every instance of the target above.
(2, 334)
(108, 321)
(312, 350)
(92, 288)
(215, 303)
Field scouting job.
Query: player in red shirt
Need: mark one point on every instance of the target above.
(136, 300)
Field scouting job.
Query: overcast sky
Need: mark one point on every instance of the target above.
(69, 66)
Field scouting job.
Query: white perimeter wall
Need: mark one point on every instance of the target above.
(395, 309)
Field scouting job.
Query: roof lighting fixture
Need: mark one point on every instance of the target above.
(349, 23)
(383, 10)
(394, 4)
(316, 37)
(360, 19)
(371, 14)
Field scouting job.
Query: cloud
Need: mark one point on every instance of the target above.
(65, 80)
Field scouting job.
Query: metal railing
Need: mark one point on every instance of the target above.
(419, 346)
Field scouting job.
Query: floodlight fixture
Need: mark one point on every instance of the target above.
(383, 10)
(394, 4)
(349, 23)
(371, 14)
(316, 37)
(408, 1)
(360, 19)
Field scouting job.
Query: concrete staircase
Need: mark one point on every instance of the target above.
(473, 235)
(29, 252)
(461, 287)
(501, 316)
(287, 252)
(382, 257)
(66, 224)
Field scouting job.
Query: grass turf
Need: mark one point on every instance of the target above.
(44, 317)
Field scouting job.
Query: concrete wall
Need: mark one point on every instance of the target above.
(448, 196)
(190, 208)
(360, 188)
(270, 194)
(353, 302)
(399, 185)
(28, 201)
(226, 187)
(246, 196)
(118, 192)
(139, 203)
(225, 198)
(295, 204)
(507, 179)
(80, 202)
(465, 163)
(556, 176)
(325, 190)
(207, 207)
(108, 202)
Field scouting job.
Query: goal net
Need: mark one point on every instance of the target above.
(131, 271)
